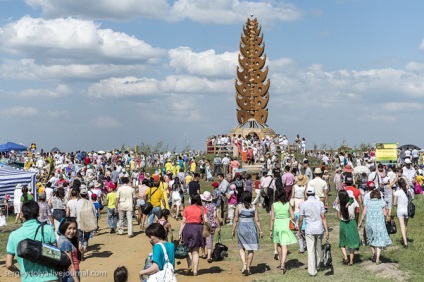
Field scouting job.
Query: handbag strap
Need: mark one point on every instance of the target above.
(219, 236)
(42, 232)
(164, 252)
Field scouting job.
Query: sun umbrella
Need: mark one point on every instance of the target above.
(361, 169)
(100, 152)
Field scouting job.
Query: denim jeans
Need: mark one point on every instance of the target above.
(155, 212)
(112, 218)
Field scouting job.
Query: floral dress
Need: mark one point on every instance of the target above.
(375, 224)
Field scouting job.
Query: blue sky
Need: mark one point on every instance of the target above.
(96, 74)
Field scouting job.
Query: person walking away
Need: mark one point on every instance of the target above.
(402, 197)
(313, 212)
(191, 231)
(163, 220)
(288, 181)
(281, 214)
(214, 222)
(86, 219)
(71, 205)
(321, 187)
(17, 194)
(225, 164)
(348, 235)
(194, 186)
(96, 204)
(45, 216)
(30, 271)
(249, 230)
(232, 203)
(112, 216)
(58, 204)
(68, 243)
(375, 212)
(224, 188)
(155, 196)
(125, 201)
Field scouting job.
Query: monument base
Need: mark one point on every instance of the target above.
(252, 126)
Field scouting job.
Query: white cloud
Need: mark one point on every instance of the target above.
(71, 40)
(105, 122)
(401, 106)
(18, 111)
(205, 11)
(154, 88)
(206, 63)
(28, 69)
(60, 91)
(55, 114)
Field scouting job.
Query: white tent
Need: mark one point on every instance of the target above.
(10, 177)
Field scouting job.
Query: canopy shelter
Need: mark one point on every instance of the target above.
(10, 177)
(410, 146)
(10, 146)
(54, 150)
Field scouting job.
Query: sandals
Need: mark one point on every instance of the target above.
(244, 269)
(283, 269)
(345, 261)
(378, 262)
(209, 260)
(247, 272)
(373, 258)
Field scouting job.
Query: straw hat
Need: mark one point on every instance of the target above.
(302, 179)
(206, 196)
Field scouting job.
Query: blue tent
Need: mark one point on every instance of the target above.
(10, 146)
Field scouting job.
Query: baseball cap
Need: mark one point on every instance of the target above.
(83, 191)
(215, 184)
(310, 190)
(371, 184)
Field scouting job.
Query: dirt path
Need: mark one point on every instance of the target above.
(107, 251)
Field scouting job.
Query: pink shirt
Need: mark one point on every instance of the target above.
(288, 178)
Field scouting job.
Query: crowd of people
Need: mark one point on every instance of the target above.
(73, 189)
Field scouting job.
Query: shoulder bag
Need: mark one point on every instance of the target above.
(42, 253)
(411, 206)
(220, 251)
(206, 232)
(148, 207)
(167, 273)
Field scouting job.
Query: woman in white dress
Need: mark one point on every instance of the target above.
(17, 201)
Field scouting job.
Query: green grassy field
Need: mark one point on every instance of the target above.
(409, 260)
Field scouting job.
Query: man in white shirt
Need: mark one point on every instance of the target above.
(125, 201)
(415, 156)
(321, 187)
(225, 164)
(409, 173)
(375, 177)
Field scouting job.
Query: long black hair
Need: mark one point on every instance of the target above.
(343, 203)
(25, 193)
(246, 199)
(281, 195)
(402, 184)
(64, 225)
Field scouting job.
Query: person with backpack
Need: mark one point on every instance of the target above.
(238, 181)
(86, 219)
(401, 199)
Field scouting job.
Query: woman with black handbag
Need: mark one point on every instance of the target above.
(194, 217)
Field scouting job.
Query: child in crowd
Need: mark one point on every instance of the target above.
(120, 274)
(2, 219)
(97, 208)
(164, 214)
(232, 203)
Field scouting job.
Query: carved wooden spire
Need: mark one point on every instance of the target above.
(251, 92)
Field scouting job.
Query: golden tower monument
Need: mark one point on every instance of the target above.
(252, 94)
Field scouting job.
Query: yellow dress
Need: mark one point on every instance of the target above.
(164, 187)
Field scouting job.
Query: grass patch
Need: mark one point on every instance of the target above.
(409, 260)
